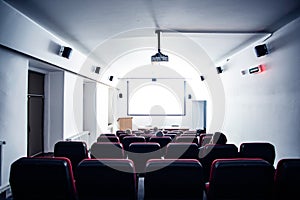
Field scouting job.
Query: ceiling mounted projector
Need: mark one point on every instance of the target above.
(159, 57)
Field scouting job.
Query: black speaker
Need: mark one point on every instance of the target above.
(97, 70)
(219, 70)
(120, 95)
(111, 78)
(65, 52)
(189, 96)
(261, 50)
(202, 78)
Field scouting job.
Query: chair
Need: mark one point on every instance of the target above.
(76, 151)
(107, 134)
(173, 179)
(182, 151)
(287, 178)
(173, 136)
(124, 135)
(202, 135)
(137, 132)
(163, 141)
(177, 133)
(140, 153)
(262, 150)
(147, 136)
(107, 150)
(39, 178)
(188, 139)
(119, 132)
(205, 140)
(108, 139)
(210, 152)
(106, 179)
(190, 132)
(240, 178)
(130, 139)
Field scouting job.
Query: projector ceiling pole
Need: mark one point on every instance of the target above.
(158, 40)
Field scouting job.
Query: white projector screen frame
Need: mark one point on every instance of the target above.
(167, 97)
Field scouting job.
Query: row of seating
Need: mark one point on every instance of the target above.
(126, 139)
(139, 152)
(238, 178)
(206, 155)
(175, 132)
(246, 149)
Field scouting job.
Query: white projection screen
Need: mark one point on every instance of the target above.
(156, 97)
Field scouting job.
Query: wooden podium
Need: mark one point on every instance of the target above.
(125, 123)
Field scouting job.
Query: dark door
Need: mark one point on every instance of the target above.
(35, 122)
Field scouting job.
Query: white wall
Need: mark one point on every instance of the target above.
(25, 36)
(95, 109)
(102, 108)
(64, 103)
(54, 109)
(13, 109)
(89, 109)
(265, 107)
(73, 105)
(22, 34)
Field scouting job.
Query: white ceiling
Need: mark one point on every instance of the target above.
(86, 24)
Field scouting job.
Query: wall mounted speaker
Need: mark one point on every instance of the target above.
(120, 95)
(65, 52)
(202, 78)
(219, 70)
(97, 70)
(111, 78)
(261, 50)
(189, 96)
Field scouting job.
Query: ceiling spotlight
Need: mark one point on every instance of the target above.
(159, 57)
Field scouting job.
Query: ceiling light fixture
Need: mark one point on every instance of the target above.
(159, 57)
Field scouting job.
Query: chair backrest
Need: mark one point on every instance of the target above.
(42, 178)
(240, 178)
(173, 179)
(262, 150)
(108, 139)
(76, 151)
(188, 139)
(182, 151)
(147, 136)
(202, 135)
(130, 139)
(107, 134)
(205, 140)
(119, 132)
(124, 135)
(106, 179)
(190, 132)
(173, 136)
(210, 152)
(140, 153)
(163, 141)
(137, 132)
(177, 132)
(107, 150)
(287, 178)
